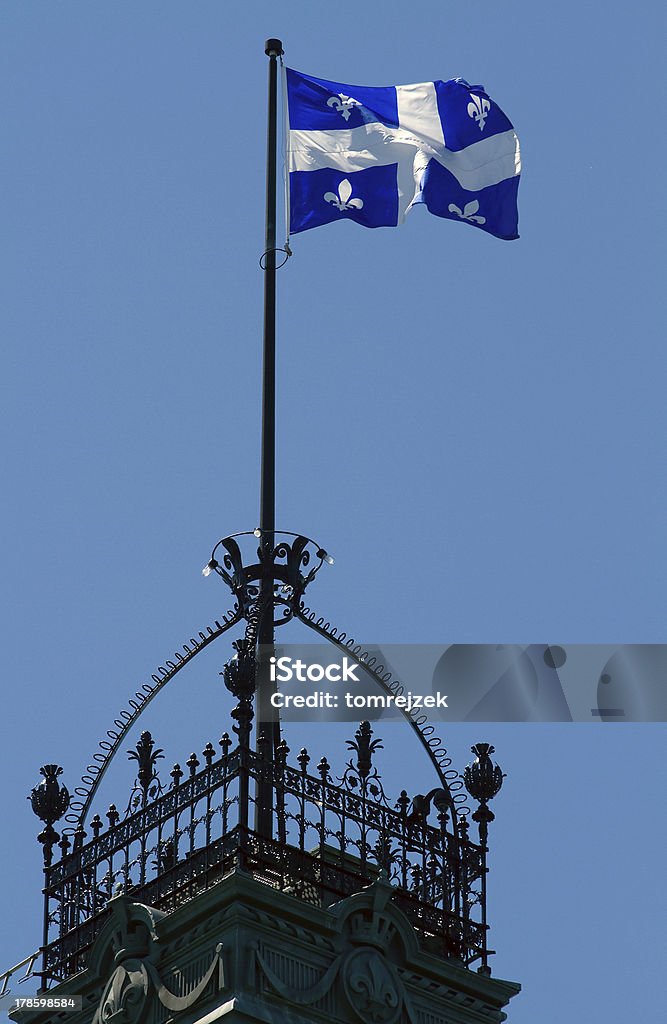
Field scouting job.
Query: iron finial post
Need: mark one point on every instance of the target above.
(483, 779)
(49, 801)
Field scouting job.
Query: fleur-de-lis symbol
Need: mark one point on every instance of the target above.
(479, 109)
(468, 212)
(342, 201)
(343, 104)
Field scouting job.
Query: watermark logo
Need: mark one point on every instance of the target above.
(286, 670)
(467, 682)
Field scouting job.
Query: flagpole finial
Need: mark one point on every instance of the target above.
(273, 48)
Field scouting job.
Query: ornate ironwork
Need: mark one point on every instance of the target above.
(288, 565)
(331, 840)
(483, 781)
(418, 720)
(49, 801)
(285, 563)
(147, 783)
(326, 837)
(364, 747)
(115, 737)
(240, 679)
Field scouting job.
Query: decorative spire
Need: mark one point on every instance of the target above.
(364, 748)
(483, 780)
(145, 756)
(239, 676)
(239, 672)
(49, 801)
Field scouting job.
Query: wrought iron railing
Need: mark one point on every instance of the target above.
(330, 837)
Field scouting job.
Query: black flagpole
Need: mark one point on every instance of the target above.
(268, 732)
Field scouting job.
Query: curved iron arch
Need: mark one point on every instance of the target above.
(435, 750)
(437, 753)
(108, 748)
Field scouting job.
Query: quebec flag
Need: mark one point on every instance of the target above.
(371, 154)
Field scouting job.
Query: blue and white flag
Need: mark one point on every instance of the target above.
(371, 154)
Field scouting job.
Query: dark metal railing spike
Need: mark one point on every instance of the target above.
(364, 747)
(146, 757)
(403, 802)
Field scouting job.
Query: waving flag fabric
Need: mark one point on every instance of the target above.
(371, 154)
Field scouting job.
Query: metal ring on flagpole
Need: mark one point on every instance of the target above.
(286, 250)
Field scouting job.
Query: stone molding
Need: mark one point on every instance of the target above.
(244, 952)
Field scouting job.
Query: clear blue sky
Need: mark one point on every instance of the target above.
(474, 428)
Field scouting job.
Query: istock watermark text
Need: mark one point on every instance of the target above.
(286, 670)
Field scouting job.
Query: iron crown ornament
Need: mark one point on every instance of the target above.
(288, 561)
